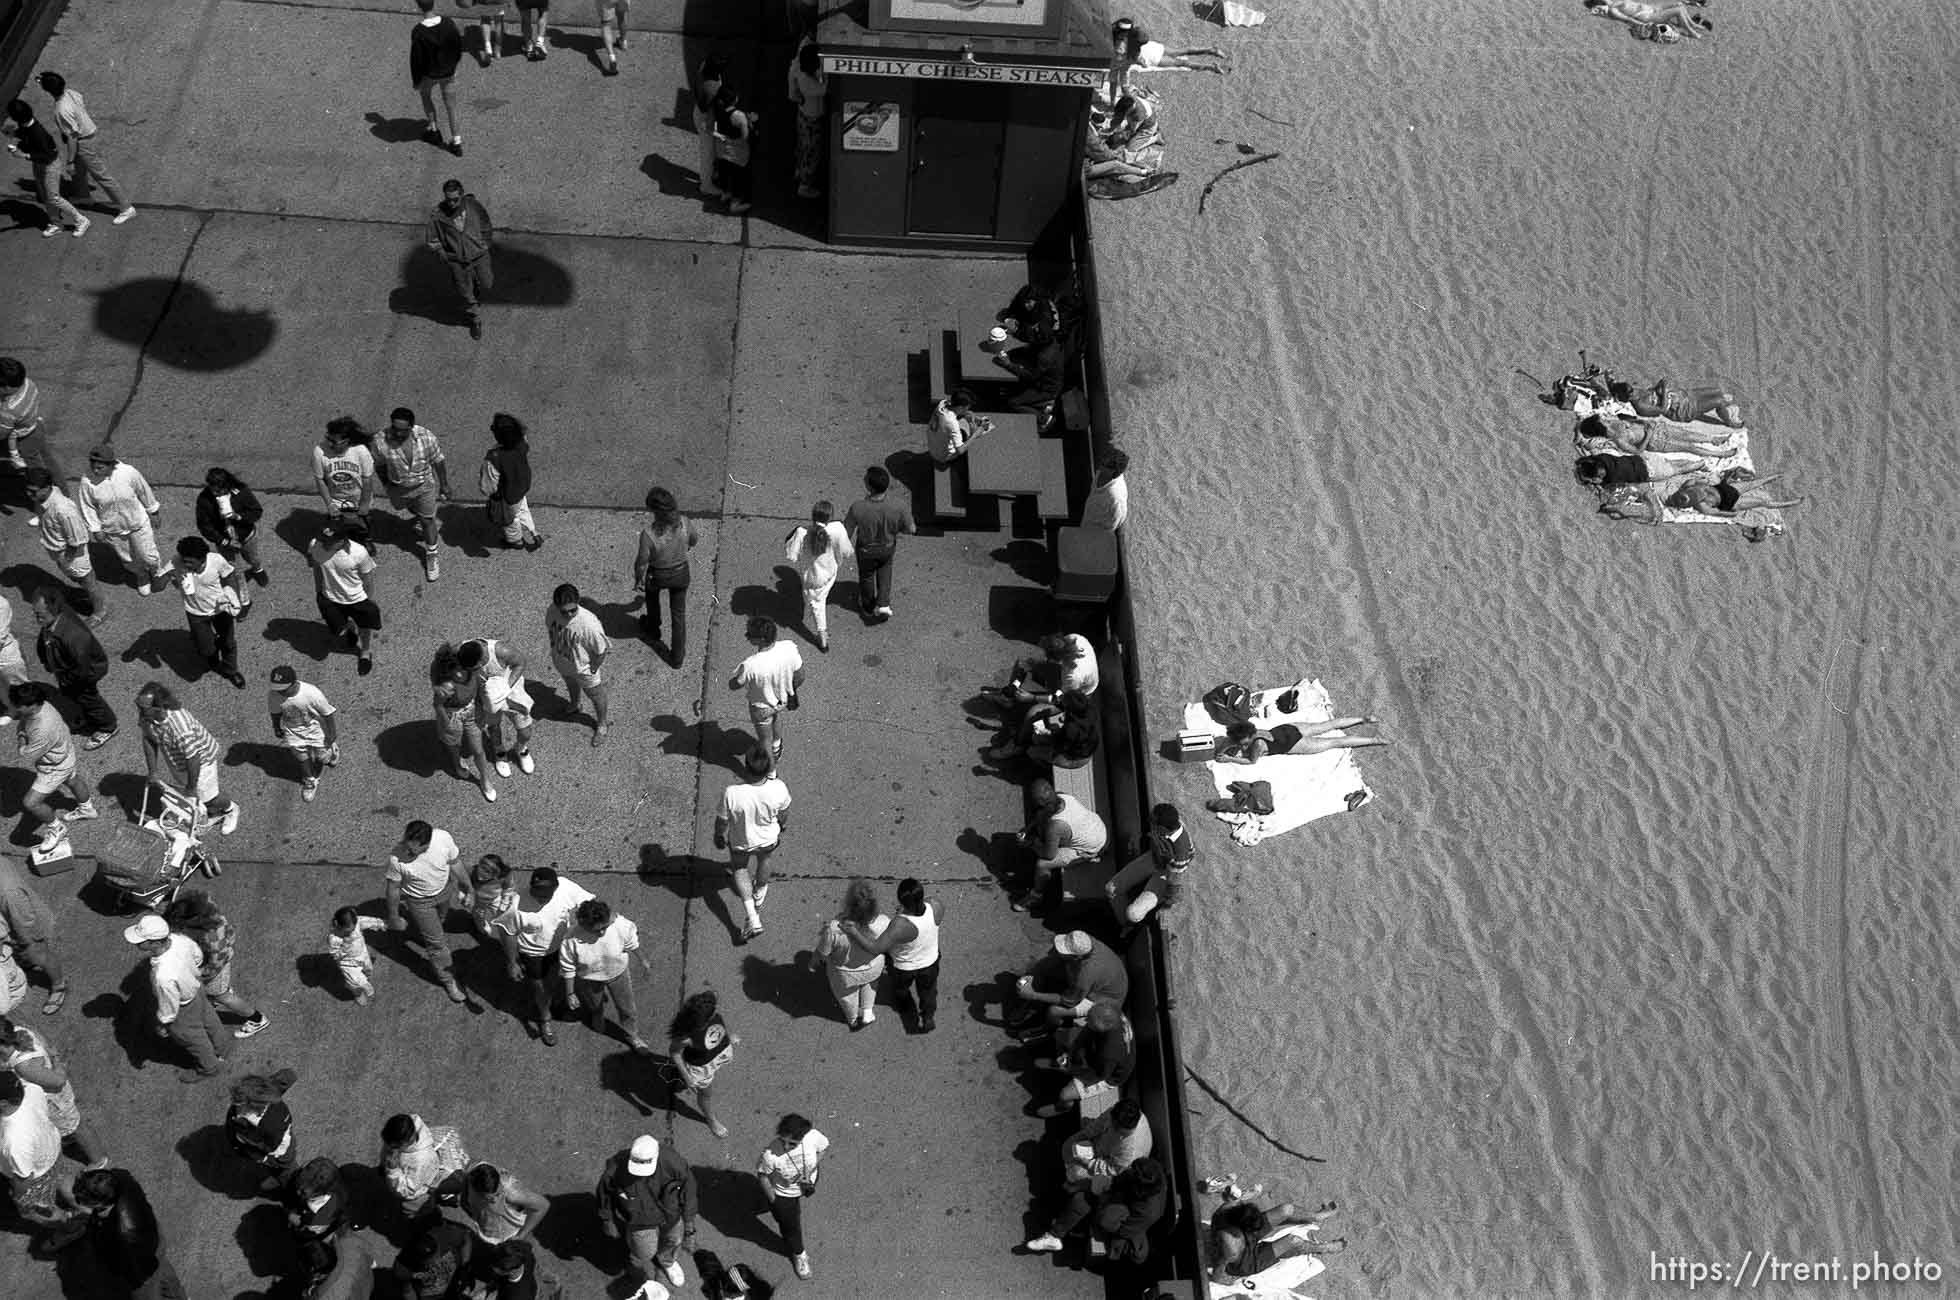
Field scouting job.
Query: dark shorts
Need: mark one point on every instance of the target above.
(536, 968)
(538, 6)
(339, 617)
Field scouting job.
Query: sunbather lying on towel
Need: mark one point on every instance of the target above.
(1245, 743)
(1725, 499)
(1709, 402)
(1606, 470)
(1633, 437)
(1680, 16)
(1242, 1241)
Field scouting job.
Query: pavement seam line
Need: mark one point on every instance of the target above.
(156, 326)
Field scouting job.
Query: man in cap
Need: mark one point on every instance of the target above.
(647, 1198)
(183, 1014)
(305, 719)
(1061, 987)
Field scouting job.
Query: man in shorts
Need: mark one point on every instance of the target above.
(343, 570)
(343, 470)
(579, 646)
(120, 509)
(64, 535)
(46, 743)
(425, 879)
(435, 47)
(749, 824)
(612, 34)
(770, 677)
(411, 461)
(1151, 881)
(531, 14)
(175, 741)
(305, 720)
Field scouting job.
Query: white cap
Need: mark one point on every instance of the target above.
(148, 928)
(643, 1156)
(652, 1291)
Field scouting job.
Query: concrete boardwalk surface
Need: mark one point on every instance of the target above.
(273, 279)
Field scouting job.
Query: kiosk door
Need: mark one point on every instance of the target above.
(956, 155)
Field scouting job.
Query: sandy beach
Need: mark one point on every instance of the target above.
(1642, 949)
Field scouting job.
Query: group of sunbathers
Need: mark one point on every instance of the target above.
(1123, 155)
(1665, 23)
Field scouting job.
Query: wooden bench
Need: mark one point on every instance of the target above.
(1052, 503)
(937, 342)
(947, 499)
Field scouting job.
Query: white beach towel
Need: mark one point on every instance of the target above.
(1712, 467)
(1283, 1279)
(1306, 787)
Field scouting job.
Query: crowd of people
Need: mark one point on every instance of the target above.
(1123, 150)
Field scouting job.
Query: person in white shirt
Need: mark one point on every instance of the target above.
(120, 509)
(184, 1015)
(211, 605)
(64, 534)
(425, 879)
(788, 1171)
(1108, 503)
(579, 646)
(305, 720)
(30, 1152)
(503, 701)
(817, 549)
(78, 133)
(749, 824)
(348, 946)
(531, 933)
(343, 470)
(771, 677)
(596, 960)
(343, 572)
(953, 426)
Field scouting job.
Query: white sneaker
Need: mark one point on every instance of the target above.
(672, 1270)
(526, 764)
(489, 793)
(802, 1264)
(308, 790)
(1046, 1242)
(147, 589)
(50, 231)
(503, 768)
(124, 215)
(761, 895)
(82, 229)
(870, 1015)
(82, 812)
(431, 566)
(229, 822)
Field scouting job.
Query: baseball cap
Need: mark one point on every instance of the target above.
(645, 1153)
(148, 928)
(1075, 943)
(284, 675)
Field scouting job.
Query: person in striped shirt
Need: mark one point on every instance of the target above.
(411, 462)
(174, 739)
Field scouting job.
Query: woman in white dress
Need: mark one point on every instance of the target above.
(817, 549)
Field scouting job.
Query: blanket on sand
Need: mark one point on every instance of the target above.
(1305, 786)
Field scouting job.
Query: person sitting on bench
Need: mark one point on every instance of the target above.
(1039, 364)
(1064, 984)
(1063, 831)
(1063, 732)
(1105, 1147)
(1067, 663)
(1100, 1056)
(1121, 1218)
(1151, 880)
(953, 426)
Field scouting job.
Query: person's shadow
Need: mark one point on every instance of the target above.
(731, 1200)
(673, 179)
(276, 761)
(395, 130)
(127, 1011)
(789, 986)
(209, 1157)
(713, 743)
(524, 278)
(168, 648)
(683, 875)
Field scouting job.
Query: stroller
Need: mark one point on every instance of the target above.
(147, 861)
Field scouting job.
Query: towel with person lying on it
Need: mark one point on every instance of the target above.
(1282, 759)
(1656, 470)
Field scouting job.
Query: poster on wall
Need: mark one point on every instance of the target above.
(982, 17)
(870, 126)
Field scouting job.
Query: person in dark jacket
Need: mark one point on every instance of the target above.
(1102, 1055)
(435, 47)
(460, 233)
(512, 1271)
(33, 140)
(74, 658)
(647, 1198)
(228, 517)
(434, 1265)
(121, 1233)
(1121, 1217)
(316, 1212)
(259, 1126)
(509, 462)
(346, 1271)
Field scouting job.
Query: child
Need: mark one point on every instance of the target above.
(493, 892)
(259, 1125)
(304, 719)
(211, 605)
(347, 945)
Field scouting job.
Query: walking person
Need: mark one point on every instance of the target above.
(13, 664)
(817, 549)
(63, 532)
(194, 913)
(749, 824)
(911, 943)
(579, 646)
(770, 679)
(28, 1054)
(875, 524)
(505, 710)
(344, 588)
(316, 1203)
(460, 233)
(120, 1231)
(734, 142)
(490, 44)
(660, 564)
(708, 79)
(259, 1126)
(183, 1013)
(505, 479)
(648, 1200)
(424, 880)
(699, 1043)
(343, 471)
(308, 724)
(78, 135)
(174, 740)
(411, 462)
(27, 939)
(212, 604)
(1108, 503)
(347, 947)
(435, 47)
(612, 34)
(46, 743)
(537, 43)
(72, 656)
(853, 968)
(20, 410)
(788, 1170)
(120, 509)
(32, 140)
(808, 88)
(228, 517)
(497, 1206)
(417, 1158)
(531, 933)
(457, 725)
(595, 960)
(39, 1174)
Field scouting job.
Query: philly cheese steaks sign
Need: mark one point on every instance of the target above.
(1005, 74)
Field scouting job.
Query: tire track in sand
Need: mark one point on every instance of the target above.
(1471, 916)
